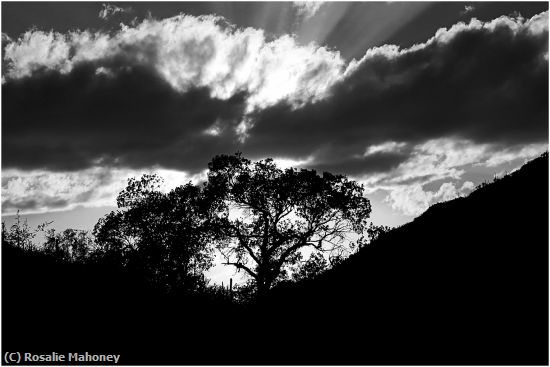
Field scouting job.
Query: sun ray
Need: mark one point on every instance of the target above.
(355, 27)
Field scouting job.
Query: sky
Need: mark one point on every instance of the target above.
(417, 101)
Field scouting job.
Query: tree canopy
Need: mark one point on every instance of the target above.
(264, 221)
(269, 215)
(71, 245)
(164, 234)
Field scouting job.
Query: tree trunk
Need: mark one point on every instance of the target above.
(262, 283)
(262, 290)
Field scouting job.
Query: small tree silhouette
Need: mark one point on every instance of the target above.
(267, 215)
(71, 245)
(20, 234)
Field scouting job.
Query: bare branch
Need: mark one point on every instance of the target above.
(244, 267)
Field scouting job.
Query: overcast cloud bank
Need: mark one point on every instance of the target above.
(173, 93)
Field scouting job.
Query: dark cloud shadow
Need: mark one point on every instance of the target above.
(483, 85)
(125, 115)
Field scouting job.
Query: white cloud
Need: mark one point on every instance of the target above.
(5, 37)
(40, 191)
(206, 51)
(437, 160)
(413, 199)
(189, 52)
(35, 50)
(295, 163)
(535, 25)
(441, 160)
(44, 191)
(446, 158)
(467, 9)
(307, 9)
(109, 10)
(538, 24)
(510, 154)
(467, 186)
(388, 147)
(433, 160)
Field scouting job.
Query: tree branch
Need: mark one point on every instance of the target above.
(243, 241)
(244, 267)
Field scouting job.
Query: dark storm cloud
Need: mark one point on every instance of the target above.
(125, 116)
(133, 104)
(169, 93)
(484, 83)
(354, 165)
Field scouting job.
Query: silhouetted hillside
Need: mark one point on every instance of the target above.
(466, 282)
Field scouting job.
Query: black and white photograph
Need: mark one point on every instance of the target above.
(274, 183)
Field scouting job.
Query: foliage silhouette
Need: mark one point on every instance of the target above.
(315, 265)
(70, 245)
(165, 235)
(280, 213)
(20, 234)
(464, 283)
(371, 234)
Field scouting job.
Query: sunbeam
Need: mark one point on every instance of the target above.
(355, 27)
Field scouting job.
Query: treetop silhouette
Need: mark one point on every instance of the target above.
(261, 218)
(281, 212)
(164, 234)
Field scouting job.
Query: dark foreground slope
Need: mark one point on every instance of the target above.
(51, 306)
(466, 282)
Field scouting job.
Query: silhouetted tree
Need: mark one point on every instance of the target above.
(315, 265)
(20, 234)
(269, 214)
(70, 245)
(375, 231)
(372, 233)
(164, 234)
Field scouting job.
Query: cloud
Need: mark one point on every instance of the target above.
(482, 82)
(467, 9)
(524, 153)
(173, 93)
(307, 9)
(109, 10)
(413, 199)
(39, 191)
(447, 160)
(190, 52)
(442, 165)
(387, 147)
(132, 119)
